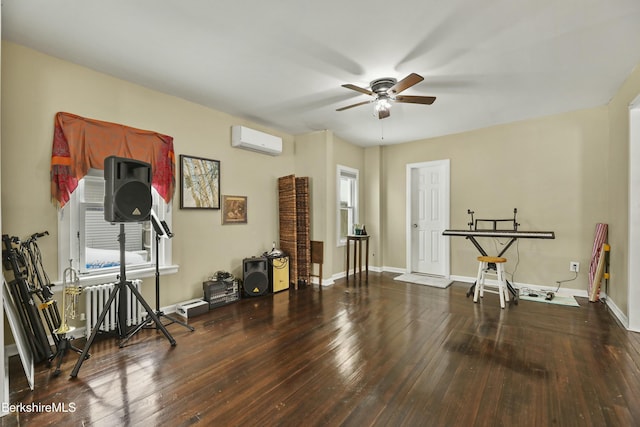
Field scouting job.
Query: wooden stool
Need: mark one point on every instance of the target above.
(486, 266)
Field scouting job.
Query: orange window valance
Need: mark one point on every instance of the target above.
(80, 144)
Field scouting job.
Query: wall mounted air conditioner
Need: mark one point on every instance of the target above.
(250, 139)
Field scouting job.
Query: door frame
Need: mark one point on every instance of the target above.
(633, 289)
(445, 210)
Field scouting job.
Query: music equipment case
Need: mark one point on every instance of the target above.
(192, 308)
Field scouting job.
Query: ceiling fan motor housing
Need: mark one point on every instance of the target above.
(381, 86)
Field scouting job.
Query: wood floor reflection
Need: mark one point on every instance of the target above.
(386, 354)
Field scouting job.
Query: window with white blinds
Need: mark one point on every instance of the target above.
(92, 244)
(99, 234)
(347, 202)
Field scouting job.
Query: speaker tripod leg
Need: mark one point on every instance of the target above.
(124, 340)
(85, 352)
(151, 314)
(173, 320)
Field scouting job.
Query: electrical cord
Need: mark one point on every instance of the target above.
(529, 291)
(560, 282)
(539, 292)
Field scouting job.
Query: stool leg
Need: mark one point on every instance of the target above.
(501, 284)
(506, 289)
(479, 281)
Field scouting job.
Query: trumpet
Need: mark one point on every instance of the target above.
(70, 293)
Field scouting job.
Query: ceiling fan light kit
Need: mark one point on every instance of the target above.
(385, 91)
(382, 104)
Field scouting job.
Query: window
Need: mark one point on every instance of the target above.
(347, 202)
(92, 244)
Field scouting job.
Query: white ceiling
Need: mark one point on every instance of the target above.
(281, 63)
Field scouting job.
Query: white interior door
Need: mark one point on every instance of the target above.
(428, 249)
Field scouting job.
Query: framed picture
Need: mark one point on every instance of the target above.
(234, 209)
(199, 183)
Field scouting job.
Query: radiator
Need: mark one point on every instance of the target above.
(96, 297)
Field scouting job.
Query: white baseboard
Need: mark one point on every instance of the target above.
(325, 282)
(10, 350)
(622, 318)
(342, 274)
(337, 276)
(562, 291)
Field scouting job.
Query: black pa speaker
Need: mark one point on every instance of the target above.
(127, 192)
(255, 280)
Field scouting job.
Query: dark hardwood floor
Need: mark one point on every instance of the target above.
(385, 354)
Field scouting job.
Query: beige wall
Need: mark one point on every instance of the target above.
(317, 155)
(372, 185)
(312, 161)
(553, 170)
(36, 86)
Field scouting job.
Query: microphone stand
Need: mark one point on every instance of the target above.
(163, 229)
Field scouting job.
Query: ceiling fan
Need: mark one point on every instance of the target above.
(387, 90)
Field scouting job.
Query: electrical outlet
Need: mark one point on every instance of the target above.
(574, 266)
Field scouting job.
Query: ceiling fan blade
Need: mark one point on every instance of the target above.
(405, 83)
(353, 105)
(426, 100)
(358, 89)
(383, 114)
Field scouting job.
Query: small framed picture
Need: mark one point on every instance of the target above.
(199, 183)
(234, 209)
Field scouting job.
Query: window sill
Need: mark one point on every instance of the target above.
(112, 277)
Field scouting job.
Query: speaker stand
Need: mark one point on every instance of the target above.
(159, 312)
(120, 289)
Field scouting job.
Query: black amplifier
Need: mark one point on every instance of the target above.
(220, 292)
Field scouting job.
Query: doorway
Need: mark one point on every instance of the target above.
(428, 188)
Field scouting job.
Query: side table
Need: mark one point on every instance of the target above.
(357, 240)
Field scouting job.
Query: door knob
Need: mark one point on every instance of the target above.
(415, 225)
